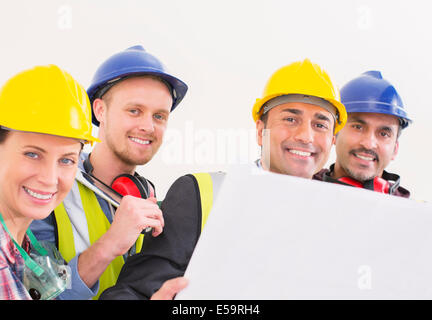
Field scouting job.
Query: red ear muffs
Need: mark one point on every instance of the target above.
(351, 182)
(127, 184)
(377, 184)
(387, 183)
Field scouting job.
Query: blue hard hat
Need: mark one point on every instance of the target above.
(134, 61)
(371, 93)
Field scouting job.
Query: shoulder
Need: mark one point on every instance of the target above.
(184, 189)
(320, 174)
(44, 229)
(7, 249)
(3, 248)
(184, 199)
(195, 183)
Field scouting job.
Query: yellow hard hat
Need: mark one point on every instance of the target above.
(306, 78)
(46, 99)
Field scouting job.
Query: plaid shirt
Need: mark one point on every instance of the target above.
(11, 268)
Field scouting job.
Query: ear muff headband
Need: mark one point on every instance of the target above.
(125, 184)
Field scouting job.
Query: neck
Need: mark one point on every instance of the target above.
(17, 225)
(264, 164)
(338, 171)
(106, 165)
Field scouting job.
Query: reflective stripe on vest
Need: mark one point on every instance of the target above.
(85, 224)
(209, 186)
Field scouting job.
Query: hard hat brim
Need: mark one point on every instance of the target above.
(178, 87)
(257, 110)
(380, 107)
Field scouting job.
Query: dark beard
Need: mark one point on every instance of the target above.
(358, 177)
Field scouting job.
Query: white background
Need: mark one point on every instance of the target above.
(225, 51)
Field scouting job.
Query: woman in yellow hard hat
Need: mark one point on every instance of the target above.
(45, 118)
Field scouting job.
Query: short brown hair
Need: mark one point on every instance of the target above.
(106, 95)
(3, 134)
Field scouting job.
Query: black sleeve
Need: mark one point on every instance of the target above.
(166, 256)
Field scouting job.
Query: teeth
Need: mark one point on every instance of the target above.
(39, 196)
(300, 153)
(140, 141)
(364, 158)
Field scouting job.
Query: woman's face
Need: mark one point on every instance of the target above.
(36, 173)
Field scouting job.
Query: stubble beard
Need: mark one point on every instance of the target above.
(124, 155)
(359, 176)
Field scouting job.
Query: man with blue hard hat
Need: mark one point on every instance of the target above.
(369, 140)
(132, 95)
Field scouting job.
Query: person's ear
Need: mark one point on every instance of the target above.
(99, 108)
(395, 151)
(259, 132)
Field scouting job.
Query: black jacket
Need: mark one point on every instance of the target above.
(166, 256)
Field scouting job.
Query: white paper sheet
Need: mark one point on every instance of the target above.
(272, 236)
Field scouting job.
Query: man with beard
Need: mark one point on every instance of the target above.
(369, 141)
(132, 96)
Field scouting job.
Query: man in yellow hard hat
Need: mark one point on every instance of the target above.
(132, 95)
(296, 119)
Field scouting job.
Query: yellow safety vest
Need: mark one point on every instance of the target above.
(208, 187)
(93, 223)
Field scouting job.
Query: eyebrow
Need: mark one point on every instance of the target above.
(35, 147)
(317, 115)
(72, 154)
(294, 111)
(140, 105)
(355, 119)
(385, 128)
(320, 116)
(44, 151)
